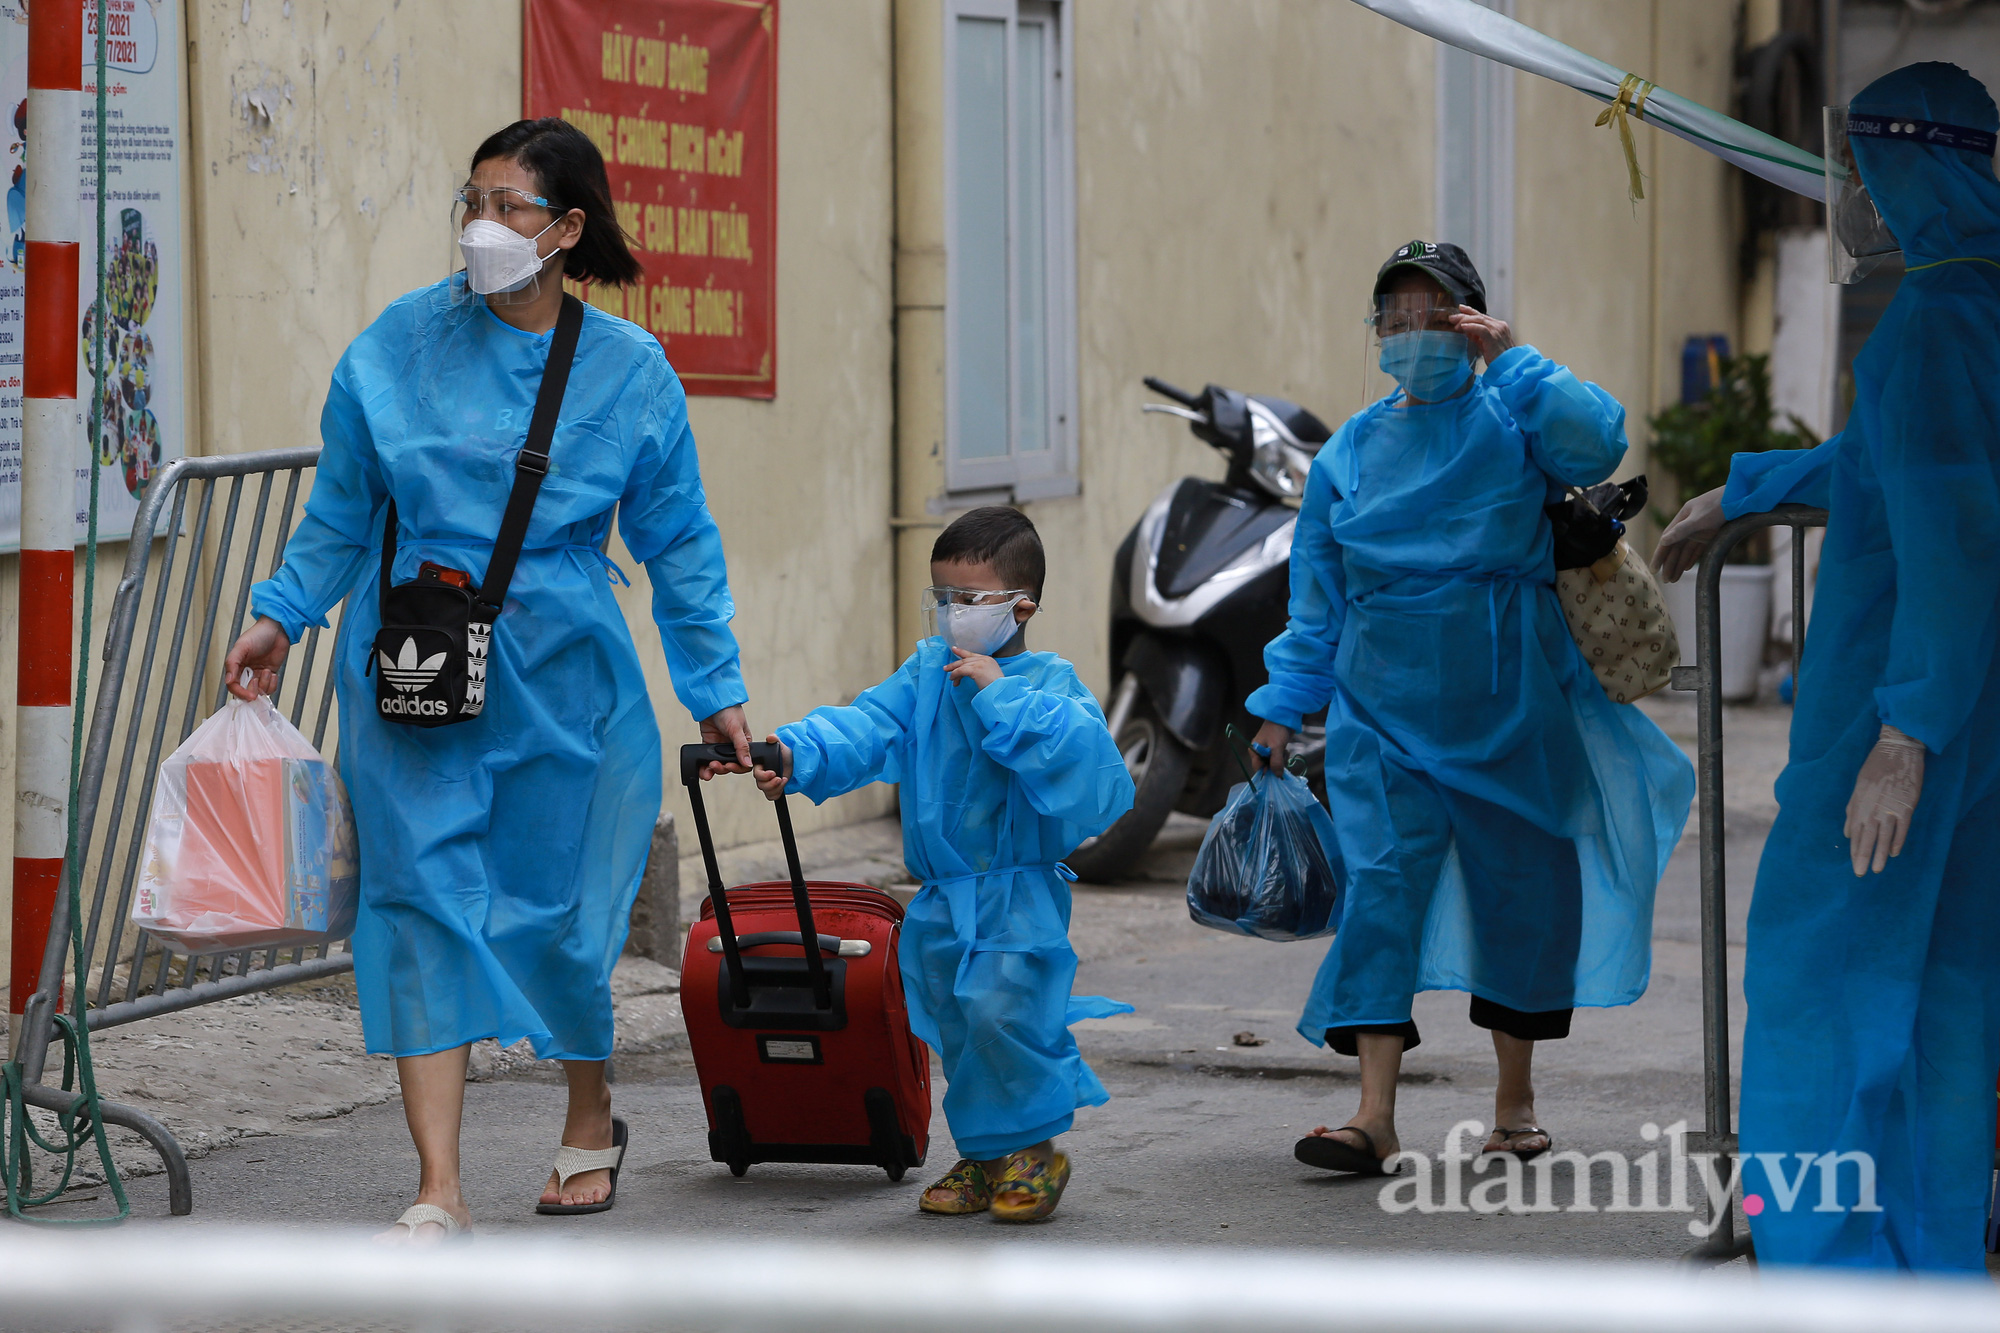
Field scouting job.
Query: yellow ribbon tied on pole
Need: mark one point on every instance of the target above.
(1631, 98)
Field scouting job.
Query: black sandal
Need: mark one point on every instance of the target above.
(1330, 1154)
(1524, 1154)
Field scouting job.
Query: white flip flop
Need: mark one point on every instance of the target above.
(421, 1214)
(575, 1161)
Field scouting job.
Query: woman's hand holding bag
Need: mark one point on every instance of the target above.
(250, 842)
(1269, 865)
(260, 650)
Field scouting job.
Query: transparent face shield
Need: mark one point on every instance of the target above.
(499, 243)
(1411, 349)
(1856, 237)
(979, 620)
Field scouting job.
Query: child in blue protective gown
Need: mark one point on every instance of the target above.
(1004, 766)
(1504, 824)
(1872, 972)
(500, 856)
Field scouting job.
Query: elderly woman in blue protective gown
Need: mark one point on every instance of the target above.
(1503, 823)
(500, 856)
(1873, 965)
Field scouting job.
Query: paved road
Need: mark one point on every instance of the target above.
(1195, 1145)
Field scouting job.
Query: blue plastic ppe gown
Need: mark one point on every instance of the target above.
(500, 856)
(1874, 1003)
(1504, 824)
(997, 786)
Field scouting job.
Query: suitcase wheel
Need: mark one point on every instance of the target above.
(729, 1142)
(893, 1150)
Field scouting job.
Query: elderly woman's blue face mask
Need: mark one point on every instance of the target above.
(1430, 365)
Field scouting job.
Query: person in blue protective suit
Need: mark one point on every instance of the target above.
(500, 856)
(1005, 766)
(1504, 824)
(1872, 972)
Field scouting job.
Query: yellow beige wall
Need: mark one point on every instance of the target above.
(1241, 171)
(801, 485)
(1605, 285)
(1242, 168)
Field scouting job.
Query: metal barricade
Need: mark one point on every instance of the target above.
(1705, 679)
(207, 529)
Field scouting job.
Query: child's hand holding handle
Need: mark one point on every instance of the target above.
(771, 781)
(696, 759)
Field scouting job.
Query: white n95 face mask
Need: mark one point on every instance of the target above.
(977, 629)
(498, 258)
(973, 619)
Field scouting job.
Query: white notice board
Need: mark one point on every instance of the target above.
(144, 407)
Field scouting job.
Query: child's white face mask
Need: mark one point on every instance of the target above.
(977, 620)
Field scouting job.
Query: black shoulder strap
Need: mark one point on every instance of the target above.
(532, 464)
(388, 558)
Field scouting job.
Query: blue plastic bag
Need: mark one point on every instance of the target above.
(1268, 865)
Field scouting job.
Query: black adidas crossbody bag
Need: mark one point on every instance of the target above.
(429, 658)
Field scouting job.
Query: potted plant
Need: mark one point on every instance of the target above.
(1693, 442)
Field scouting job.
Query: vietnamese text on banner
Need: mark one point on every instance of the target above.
(681, 98)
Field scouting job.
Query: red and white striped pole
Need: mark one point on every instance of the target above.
(49, 452)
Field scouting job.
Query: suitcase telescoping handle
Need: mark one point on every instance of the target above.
(765, 755)
(694, 758)
(828, 944)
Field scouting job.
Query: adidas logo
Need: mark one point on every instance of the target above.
(396, 704)
(406, 673)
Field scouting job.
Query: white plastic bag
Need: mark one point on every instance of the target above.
(250, 842)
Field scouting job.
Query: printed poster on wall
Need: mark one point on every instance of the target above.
(681, 98)
(143, 389)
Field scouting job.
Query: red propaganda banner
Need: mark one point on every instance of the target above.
(681, 96)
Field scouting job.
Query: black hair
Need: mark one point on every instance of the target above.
(1001, 537)
(570, 171)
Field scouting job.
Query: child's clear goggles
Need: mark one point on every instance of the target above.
(939, 595)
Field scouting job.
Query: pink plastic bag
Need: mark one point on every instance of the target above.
(250, 842)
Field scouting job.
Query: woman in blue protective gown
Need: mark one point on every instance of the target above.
(500, 856)
(1503, 823)
(1872, 973)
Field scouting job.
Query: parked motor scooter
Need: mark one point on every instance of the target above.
(1198, 588)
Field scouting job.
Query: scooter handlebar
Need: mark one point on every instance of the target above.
(1166, 390)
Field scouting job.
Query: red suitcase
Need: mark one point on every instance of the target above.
(804, 1056)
